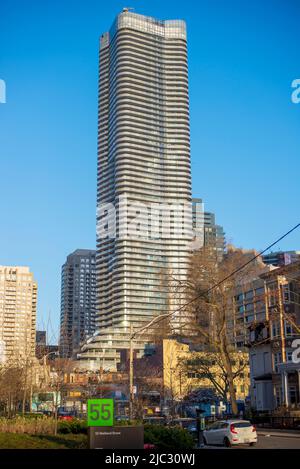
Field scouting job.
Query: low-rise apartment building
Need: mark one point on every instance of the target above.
(266, 319)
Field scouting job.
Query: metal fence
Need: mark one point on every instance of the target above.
(268, 421)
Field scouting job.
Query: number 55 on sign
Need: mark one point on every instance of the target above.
(100, 413)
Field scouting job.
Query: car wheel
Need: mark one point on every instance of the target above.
(227, 442)
(252, 444)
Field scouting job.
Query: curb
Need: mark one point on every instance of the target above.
(281, 435)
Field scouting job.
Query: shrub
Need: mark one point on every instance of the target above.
(31, 415)
(126, 423)
(74, 426)
(168, 438)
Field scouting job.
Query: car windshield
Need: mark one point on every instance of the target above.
(242, 424)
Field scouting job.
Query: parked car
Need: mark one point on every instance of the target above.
(122, 418)
(154, 420)
(230, 432)
(189, 424)
(64, 415)
(149, 446)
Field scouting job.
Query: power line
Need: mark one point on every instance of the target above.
(253, 258)
(164, 316)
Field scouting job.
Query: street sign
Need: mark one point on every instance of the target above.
(100, 413)
(127, 437)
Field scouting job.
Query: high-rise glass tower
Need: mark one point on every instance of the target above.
(78, 301)
(208, 233)
(143, 161)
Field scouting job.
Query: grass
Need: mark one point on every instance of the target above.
(25, 441)
(32, 426)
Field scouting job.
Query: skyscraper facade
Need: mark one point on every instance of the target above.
(207, 231)
(18, 301)
(78, 300)
(214, 234)
(144, 160)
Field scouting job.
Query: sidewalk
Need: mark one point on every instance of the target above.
(278, 432)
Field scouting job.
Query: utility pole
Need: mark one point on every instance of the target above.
(281, 318)
(131, 395)
(132, 335)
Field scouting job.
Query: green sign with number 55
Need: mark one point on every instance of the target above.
(100, 412)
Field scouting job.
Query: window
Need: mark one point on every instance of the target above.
(286, 294)
(288, 328)
(293, 394)
(249, 295)
(239, 297)
(214, 426)
(223, 425)
(275, 329)
(277, 360)
(278, 396)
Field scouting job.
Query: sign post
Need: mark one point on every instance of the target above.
(200, 427)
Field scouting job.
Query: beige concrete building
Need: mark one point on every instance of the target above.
(18, 300)
(164, 369)
(180, 381)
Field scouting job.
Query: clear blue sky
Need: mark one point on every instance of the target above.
(245, 131)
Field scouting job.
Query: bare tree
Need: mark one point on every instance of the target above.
(210, 366)
(58, 383)
(10, 388)
(209, 291)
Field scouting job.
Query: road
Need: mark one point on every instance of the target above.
(276, 442)
(269, 442)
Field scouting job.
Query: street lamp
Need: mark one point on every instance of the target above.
(131, 338)
(47, 355)
(44, 360)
